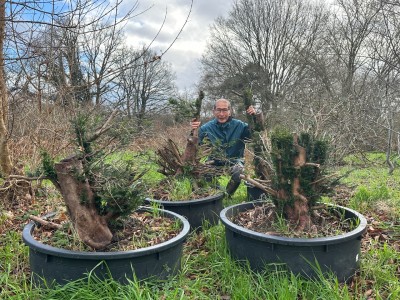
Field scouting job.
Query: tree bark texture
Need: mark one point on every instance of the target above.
(190, 154)
(75, 189)
(297, 212)
(5, 159)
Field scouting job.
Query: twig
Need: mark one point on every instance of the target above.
(323, 178)
(45, 223)
(26, 178)
(321, 206)
(258, 185)
(261, 181)
(106, 126)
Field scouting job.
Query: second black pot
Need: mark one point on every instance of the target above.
(196, 211)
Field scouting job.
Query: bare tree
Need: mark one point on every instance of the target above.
(145, 85)
(87, 183)
(24, 22)
(5, 160)
(349, 30)
(385, 55)
(259, 45)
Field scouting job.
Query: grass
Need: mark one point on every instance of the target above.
(208, 272)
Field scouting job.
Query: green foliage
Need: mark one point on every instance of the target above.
(320, 152)
(48, 165)
(283, 154)
(183, 109)
(365, 158)
(197, 104)
(373, 193)
(307, 177)
(117, 185)
(317, 150)
(81, 125)
(113, 179)
(182, 188)
(366, 197)
(374, 188)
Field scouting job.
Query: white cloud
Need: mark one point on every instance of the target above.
(185, 53)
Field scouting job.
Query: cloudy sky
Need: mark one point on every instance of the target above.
(185, 53)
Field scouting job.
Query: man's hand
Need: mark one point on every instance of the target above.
(251, 110)
(195, 124)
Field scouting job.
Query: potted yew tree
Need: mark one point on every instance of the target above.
(102, 196)
(203, 200)
(286, 223)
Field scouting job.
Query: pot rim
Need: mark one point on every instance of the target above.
(47, 249)
(358, 231)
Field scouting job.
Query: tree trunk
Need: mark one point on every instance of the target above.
(5, 160)
(298, 212)
(79, 199)
(192, 142)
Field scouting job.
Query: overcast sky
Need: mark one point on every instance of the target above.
(186, 52)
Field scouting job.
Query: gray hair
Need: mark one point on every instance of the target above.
(222, 100)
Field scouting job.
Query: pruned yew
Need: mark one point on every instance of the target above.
(95, 192)
(298, 180)
(189, 163)
(175, 163)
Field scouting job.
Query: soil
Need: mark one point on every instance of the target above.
(264, 219)
(141, 229)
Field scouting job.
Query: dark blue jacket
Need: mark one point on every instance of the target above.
(228, 140)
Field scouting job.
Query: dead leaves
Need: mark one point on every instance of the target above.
(382, 232)
(264, 219)
(143, 229)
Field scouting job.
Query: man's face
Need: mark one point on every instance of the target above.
(222, 111)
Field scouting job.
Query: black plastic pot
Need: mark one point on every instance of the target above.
(302, 256)
(58, 265)
(196, 210)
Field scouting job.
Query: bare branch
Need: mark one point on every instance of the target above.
(45, 223)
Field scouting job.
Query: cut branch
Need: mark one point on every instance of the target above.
(259, 185)
(45, 223)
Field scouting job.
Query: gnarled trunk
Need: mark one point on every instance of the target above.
(78, 196)
(297, 181)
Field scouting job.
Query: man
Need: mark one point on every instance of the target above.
(227, 136)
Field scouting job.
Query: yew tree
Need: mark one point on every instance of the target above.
(298, 179)
(96, 188)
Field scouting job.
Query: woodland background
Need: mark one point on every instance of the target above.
(330, 68)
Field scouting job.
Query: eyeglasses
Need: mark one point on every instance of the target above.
(219, 110)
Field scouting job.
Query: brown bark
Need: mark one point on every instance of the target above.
(79, 199)
(45, 223)
(190, 154)
(169, 159)
(299, 211)
(5, 159)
